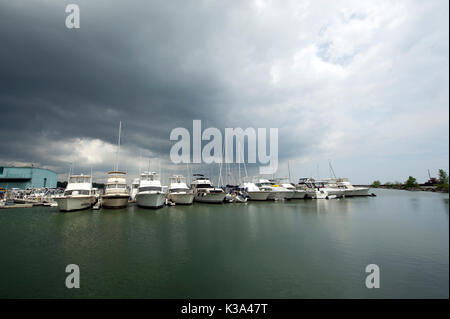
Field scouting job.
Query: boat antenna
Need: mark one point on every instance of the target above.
(70, 171)
(289, 171)
(239, 163)
(116, 168)
(331, 168)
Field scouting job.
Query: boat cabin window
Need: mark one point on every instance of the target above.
(204, 186)
(113, 186)
(77, 192)
(79, 179)
(179, 190)
(149, 188)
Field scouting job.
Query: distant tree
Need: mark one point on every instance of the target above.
(443, 181)
(397, 184)
(411, 182)
(61, 184)
(98, 185)
(376, 184)
(443, 177)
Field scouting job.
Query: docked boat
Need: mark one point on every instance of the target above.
(116, 193)
(351, 190)
(134, 189)
(254, 192)
(205, 192)
(276, 192)
(150, 193)
(290, 189)
(179, 192)
(333, 188)
(313, 189)
(78, 194)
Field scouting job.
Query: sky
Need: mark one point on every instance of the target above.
(361, 84)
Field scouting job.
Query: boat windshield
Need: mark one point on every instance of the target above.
(113, 186)
(149, 188)
(204, 186)
(77, 192)
(79, 179)
(179, 190)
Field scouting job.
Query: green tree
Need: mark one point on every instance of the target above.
(376, 184)
(443, 181)
(443, 177)
(411, 182)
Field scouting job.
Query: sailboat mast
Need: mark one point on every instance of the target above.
(289, 171)
(332, 170)
(116, 168)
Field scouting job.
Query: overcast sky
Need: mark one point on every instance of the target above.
(364, 84)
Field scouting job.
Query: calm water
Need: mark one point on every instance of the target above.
(294, 249)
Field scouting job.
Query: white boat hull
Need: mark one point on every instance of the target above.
(276, 195)
(181, 198)
(151, 200)
(299, 194)
(289, 195)
(67, 204)
(115, 201)
(363, 191)
(261, 195)
(334, 191)
(209, 197)
(320, 195)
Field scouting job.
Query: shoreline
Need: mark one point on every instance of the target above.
(421, 188)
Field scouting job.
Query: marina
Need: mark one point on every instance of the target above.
(259, 249)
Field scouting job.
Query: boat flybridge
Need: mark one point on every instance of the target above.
(150, 193)
(116, 193)
(78, 194)
(179, 192)
(205, 192)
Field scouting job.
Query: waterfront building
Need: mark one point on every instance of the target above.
(27, 177)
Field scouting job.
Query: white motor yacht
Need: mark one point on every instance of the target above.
(276, 192)
(179, 192)
(116, 193)
(205, 192)
(313, 189)
(150, 193)
(290, 189)
(351, 190)
(332, 188)
(254, 192)
(78, 194)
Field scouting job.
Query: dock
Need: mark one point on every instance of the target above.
(16, 206)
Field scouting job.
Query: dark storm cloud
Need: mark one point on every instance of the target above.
(157, 65)
(129, 63)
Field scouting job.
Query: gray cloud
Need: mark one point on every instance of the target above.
(345, 81)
